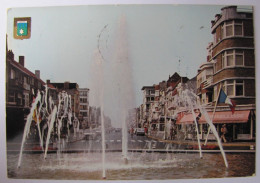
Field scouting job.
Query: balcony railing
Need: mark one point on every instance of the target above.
(208, 82)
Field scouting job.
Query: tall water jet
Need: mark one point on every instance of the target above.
(187, 100)
(123, 76)
(98, 98)
(53, 117)
(28, 125)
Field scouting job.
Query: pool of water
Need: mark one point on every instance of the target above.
(140, 166)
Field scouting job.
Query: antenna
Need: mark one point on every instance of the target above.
(179, 66)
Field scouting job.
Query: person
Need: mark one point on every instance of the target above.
(171, 133)
(146, 130)
(223, 133)
(132, 132)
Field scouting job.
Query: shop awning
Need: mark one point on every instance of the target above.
(220, 117)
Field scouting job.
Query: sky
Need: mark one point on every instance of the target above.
(159, 40)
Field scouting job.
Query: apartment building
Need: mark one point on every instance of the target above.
(84, 107)
(231, 66)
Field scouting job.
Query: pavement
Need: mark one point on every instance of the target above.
(190, 144)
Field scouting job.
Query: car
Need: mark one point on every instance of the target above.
(139, 131)
(118, 129)
(89, 136)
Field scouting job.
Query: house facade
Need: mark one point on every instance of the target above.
(21, 88)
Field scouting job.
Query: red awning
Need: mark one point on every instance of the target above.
(220, 117)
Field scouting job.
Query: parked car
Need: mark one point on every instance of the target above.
(139, 131)
(89, 136)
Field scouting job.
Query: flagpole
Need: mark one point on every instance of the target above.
(214, 111)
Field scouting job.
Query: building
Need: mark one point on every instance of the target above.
(148, 99)
(84, 107)
(94, 117)
(231, 66)
(21, 87)
(157, 107)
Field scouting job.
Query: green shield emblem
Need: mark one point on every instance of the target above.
(22, 29)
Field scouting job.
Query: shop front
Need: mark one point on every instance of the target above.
(240, 125)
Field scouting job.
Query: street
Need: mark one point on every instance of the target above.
(114, 143)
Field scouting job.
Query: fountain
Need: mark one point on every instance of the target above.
(50, 116)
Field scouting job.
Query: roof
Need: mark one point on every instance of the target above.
(148, 87)
(62, 85)
(51, 86)
(25, 70)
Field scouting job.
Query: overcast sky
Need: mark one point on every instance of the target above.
(64, 40)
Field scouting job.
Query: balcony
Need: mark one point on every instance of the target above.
(208, 82)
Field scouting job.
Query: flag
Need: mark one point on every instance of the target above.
(223, 98)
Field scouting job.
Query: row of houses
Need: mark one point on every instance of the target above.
(22, 86)
(230, 66)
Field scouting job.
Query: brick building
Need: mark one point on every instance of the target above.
(21, 87)
(231, 66)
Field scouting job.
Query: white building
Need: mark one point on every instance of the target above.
(84, 107)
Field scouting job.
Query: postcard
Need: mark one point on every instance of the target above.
(130, 92)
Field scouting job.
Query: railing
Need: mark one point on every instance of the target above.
(208, 82)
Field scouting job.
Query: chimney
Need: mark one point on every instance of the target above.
(21, 60)
(37, 73)
(217, 16)
(48, 81)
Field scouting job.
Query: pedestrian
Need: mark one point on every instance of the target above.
(146, 130)
(223, 133)
(132, 132)
(171, 133)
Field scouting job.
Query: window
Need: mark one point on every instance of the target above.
(229, 28)
(26, 99)
(19, 99)
(12, 74)
(25, 79)
(232, 28)
(239, 87)
(83, 107)
(232, 58)
(32, 81)
(234, 87)
(230, 87)
(229, 58)
(238, 27)
(39, 84)
(11, 97)
(239, 57)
